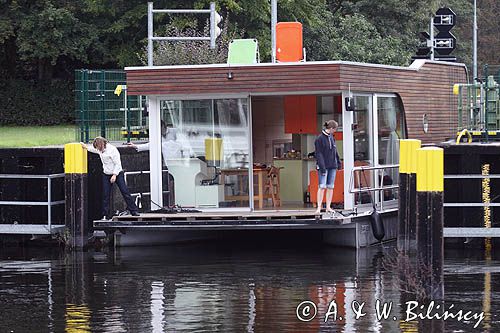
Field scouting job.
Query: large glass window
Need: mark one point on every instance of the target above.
(206, 146)
(363, 147)
(363, 143)
(390, 129)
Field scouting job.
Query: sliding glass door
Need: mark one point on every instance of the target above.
(364, 146)
(377, 124)
(205, 146)
(390, 129)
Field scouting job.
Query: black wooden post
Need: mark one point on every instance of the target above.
(407, 194)
(75, 192)
(430, 244)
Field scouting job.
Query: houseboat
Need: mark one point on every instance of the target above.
(230, 125)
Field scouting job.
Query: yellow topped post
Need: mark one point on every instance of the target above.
(75, 188)
(408, 155)
(430, 169)
(407, 194)
(430, 220)
(75, 158)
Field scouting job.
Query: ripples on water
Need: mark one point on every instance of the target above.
(235, 288)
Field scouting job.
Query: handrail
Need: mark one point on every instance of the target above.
(49, 203)
(472, 176)
(382, 188)
(141, 172)
(368, 168)
(25, 176)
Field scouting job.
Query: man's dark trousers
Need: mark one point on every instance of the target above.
(106, 191)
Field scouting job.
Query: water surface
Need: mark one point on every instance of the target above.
(231, 288)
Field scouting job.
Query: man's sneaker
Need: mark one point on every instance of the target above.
(123, 213)
(135, 214)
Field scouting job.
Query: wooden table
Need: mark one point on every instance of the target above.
(261, 174)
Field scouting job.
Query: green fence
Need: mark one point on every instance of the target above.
(101, 112)
(479, 103)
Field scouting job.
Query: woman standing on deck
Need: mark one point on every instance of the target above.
(327, 163)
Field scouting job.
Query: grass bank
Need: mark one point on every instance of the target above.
(33, 136)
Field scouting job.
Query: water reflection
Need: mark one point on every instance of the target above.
(230, 289)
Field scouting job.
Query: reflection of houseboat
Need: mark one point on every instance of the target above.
(260, 112)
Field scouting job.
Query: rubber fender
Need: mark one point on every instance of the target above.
(377, 225)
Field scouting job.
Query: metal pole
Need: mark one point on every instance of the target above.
(150, 34)
(49, 204)
(127, 116)
(182, 11)
(82, 104)
(474, 44)
(212, 25)
(101, 88)
(274, 18)
(431, 30)
(183, 38)
(86, 112)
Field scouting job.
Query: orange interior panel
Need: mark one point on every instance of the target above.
(300, 114)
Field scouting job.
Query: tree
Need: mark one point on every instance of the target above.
(489, 33)
(353, 38)
(45, 36)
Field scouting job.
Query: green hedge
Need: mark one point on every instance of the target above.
(28, 103)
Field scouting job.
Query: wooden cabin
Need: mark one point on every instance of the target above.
(229, 124)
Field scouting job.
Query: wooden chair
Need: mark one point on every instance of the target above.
(272, 186)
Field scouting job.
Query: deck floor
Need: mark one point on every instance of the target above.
(264, 219)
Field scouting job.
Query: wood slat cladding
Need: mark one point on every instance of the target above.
(423, 90)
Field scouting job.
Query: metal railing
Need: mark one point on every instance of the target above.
(380, 189)
(49, 203)
(471, 204)
(141, 172)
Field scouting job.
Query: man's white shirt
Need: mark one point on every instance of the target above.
(110, 157)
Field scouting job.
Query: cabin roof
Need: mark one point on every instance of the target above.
(425, 87)
(414, 66)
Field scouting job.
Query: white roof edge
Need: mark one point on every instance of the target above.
(416, 65)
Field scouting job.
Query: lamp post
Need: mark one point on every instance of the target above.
(474, 44)
(274, 19)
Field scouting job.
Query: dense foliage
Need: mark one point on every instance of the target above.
(28, 103)
(47, 40)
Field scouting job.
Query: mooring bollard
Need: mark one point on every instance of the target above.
(407, 194)
(430, 244)
(75, 192)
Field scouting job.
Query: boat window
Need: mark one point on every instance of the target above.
(207, 151)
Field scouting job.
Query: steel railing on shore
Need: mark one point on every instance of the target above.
(30, 228)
